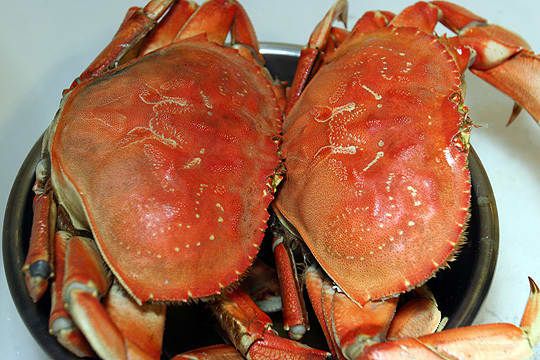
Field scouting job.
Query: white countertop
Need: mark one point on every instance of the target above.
(46, 44)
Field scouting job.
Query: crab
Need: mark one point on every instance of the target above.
(138, 194)
(376, 140)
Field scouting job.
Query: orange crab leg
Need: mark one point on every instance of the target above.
(336, 38)
(314, 286)
(417, 317)
(491, 341)
(251, 331)
(165, 32)
(37, 267)
(503, 58)
(142, 326)
(213, 352)
(215, 19)
(371, 21)
(137, 23)
(421, 15)
(294, 313)
(85, 281)
(60, 323)
(310, 54)
(349, 328)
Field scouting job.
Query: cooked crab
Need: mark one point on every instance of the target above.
(158, 168)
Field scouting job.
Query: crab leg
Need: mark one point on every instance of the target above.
(491, 341)
(60, 323)
(137, 23)
(215, 19)
(165, 32)
(251, 331)
(371, 21)
(348, 327)
(422, 15)
(294, 312)
(418, 316)
(336, 38)
(310, 55)
(141, 326)
(118, 329)
(503, 59)
(38, 267)
(86, 281)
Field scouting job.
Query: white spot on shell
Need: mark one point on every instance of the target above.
(192, 163)
(378, 155)
(375, 95)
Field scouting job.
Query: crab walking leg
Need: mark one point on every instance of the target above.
(417, 317)
(371, 21)
(351, 328)
(85, 282)
(336, 38)
(141, 326)
(530, 321)
(167, 28)
(251, 331)
(60, 323)
(38, 267)
(213, 352)
(215, 19)
(422, 15)
(314, 286)
(294, 310)
(502, 58)
(490, 341)
(310, 55)
(137, 23)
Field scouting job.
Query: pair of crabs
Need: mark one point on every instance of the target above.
(158, 169)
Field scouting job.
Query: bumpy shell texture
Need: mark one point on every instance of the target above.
(167, 161)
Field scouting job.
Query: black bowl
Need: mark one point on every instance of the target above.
(459, 289)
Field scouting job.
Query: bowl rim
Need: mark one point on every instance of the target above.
(482, 273)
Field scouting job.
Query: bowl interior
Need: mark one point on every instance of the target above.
(459, 289)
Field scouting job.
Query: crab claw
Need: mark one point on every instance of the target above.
(251, 331)
(418, 316)
(349, 328)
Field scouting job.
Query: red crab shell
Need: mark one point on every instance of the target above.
(377, 180)
(167, 161)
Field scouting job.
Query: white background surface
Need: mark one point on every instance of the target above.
(46, 44)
